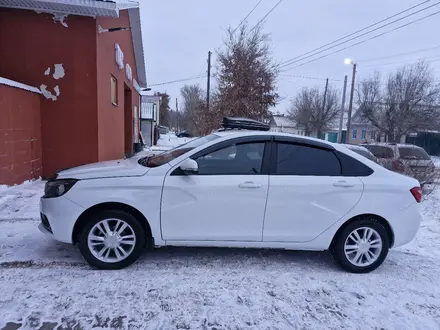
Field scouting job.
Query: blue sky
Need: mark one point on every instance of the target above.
(178, 35)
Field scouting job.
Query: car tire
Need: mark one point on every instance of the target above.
(372, 242)
(117, 231)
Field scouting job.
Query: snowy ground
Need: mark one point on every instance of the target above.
(47, 285)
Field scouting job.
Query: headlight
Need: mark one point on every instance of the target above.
(57, 188)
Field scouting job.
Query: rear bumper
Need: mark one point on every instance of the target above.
(406, 224)
(60, 217)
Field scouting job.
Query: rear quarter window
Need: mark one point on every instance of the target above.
(413, 153)
(351, 166)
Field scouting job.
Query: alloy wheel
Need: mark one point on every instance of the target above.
(111, 240)
(363, 246)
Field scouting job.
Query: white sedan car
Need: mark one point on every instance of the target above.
(235, 188)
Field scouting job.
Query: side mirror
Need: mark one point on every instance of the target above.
(189, 167)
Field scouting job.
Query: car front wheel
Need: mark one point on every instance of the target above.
(362, 246)
(112, 239)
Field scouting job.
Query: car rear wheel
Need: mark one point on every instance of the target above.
(112, 239)
(362, 246)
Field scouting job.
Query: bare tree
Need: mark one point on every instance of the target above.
(406, 101)
(193, 109)
(246, 75)
(315, 111)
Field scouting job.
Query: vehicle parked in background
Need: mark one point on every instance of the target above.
(163, 130)
(183, 134)
(406, 159)
(242, 187)
(362, 151)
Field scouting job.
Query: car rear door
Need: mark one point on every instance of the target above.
(225, 201)
(307, 192)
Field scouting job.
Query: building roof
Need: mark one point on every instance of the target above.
(93, 8)
(282, 121)
(16, 84)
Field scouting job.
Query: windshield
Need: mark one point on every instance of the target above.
(413, 153)
(167, 156)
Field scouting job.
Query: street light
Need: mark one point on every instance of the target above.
(349, 61)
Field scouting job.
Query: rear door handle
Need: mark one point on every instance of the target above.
(249, 185)
(343, 184)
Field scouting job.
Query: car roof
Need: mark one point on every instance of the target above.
(392, 145)
(238, 133)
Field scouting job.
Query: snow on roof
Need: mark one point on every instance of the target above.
(283, 121)
(16, 84)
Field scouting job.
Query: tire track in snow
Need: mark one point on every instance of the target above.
(35, 264)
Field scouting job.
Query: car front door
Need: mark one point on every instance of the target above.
(307, 193)
(225, 201)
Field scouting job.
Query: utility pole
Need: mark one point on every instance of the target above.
(323, 104)
(177, 114)
(350, 105)
(341, 121)
(208, 87)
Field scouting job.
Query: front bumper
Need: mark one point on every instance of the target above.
(60, 216)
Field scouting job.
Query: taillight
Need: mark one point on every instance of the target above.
(417, 193)
(398, 166)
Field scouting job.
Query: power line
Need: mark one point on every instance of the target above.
(265, 16)
(179, 80)
(399, 55)
(428, 59)
(306, 77)
(303, 57)
(363, 41)
(247, 16)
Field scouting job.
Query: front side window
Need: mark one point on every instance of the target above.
(168, 156)
(295, 159)
(237, 159)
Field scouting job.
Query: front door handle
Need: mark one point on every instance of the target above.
(343, 184)
(249, 185)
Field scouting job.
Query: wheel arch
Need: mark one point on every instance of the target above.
(375, 217)
(80, 222)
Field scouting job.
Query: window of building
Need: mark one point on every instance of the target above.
(240, 159)
(114, 90)
(354, 134)
(372, 134)
(363, 134)
(295, 159)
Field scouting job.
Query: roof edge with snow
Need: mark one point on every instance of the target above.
(16, 84)
(93, 8)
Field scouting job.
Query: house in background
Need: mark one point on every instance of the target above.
(331, 134)
(282, 123)
(86, 59)
(149, 118)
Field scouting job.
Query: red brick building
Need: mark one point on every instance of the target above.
(86, 58)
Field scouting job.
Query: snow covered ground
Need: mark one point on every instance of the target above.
(46, 283)
(436, 160)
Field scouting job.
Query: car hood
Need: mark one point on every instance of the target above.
(107, 169)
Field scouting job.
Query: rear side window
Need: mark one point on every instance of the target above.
(352, 167)
(380, 151)
(295, 159)
(413, 153)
